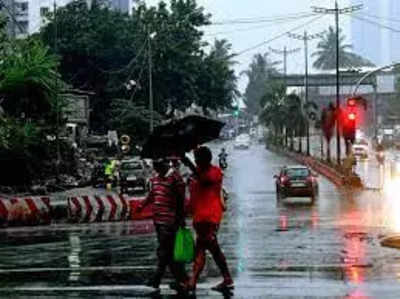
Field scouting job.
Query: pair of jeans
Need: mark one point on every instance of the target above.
(206, 239)
(165, 252)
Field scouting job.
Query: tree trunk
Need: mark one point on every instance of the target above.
(328, 150)
(322, 145)
(299, 141)
(286, 137)
(291, 139)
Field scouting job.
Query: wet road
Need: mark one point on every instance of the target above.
(289, 249)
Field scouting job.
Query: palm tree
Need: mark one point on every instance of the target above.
(28, 80)
(296, 119)
(259, 72)
(326, 53)
(222, 50)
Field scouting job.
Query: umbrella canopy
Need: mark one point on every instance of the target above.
(180, 136)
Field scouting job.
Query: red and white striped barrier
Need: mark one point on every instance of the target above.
(25, 211)
(98, 208)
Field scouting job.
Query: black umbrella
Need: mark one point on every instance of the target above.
(181, 136)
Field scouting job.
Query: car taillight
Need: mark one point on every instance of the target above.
(284, 180)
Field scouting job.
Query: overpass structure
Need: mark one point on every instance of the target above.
(321, 80)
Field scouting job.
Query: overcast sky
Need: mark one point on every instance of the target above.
(244, 36)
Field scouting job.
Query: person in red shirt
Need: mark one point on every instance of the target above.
(207, 209)
(167, 195)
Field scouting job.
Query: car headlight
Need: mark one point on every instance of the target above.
(131, 178)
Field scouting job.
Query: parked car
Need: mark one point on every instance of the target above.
(242, 141)
(135, 174)
(296, 181)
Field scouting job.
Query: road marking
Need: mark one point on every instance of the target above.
(288, 268)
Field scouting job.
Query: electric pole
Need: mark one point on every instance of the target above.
(285, 52)
(151, 104)
(337, 11)
(56, 98)
(305, 38)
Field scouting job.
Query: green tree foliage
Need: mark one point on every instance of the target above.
(217, 80)
(287, 115)
(28, 81)
(102, 50)
(326, 53)
(259, 72)
(127, 118)
(28, 89)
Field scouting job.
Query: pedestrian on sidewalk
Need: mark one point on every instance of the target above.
(167, 193)
(207, 208)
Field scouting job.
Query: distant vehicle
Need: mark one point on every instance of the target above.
(296, 181)
(360, 150)
(242, 141)
(134, 175)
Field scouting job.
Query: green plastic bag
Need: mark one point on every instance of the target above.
(184, 246)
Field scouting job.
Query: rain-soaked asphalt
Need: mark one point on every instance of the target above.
(275, 250)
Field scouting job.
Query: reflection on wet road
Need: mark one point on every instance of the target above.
(282, 249)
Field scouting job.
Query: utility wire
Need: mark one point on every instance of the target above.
(278, 36)
(254, 27)
(263, 20)
(375, 23)
(381, 18)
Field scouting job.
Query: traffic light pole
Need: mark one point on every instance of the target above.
(336, 11)
(338, 150)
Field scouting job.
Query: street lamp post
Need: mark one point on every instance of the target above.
(150, 63)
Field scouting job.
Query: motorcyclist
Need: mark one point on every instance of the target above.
(380, 153)
(222, 157)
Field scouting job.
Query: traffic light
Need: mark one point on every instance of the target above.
(349, 127)
(236, 112)
(351, 116)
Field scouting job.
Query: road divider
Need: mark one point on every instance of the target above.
(25, 211)
(106, 208)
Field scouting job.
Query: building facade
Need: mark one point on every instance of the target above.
(28, 16)
(375, 42)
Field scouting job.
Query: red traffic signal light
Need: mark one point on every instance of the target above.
(351, 116)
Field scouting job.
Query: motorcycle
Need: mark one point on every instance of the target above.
(223, 164)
